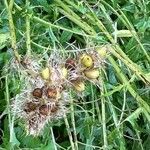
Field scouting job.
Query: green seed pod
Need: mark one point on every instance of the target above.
(92, 74)
(86, 60)
(45, 73)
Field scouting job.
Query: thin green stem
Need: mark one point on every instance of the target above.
(123, 107)
(9, 8)
(69, 132)
(10, 121)
(117, 51)
(103, 115)
(73, 123)
(124, 19)
(115, 119)
(123, 79)
(7, 99)
(135, 34)
(53, 138)
(74, 17)
(45, 23)
(28, 41)
(98, 111)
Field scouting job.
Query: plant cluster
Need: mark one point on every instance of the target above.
(59, 82)
(46, 93)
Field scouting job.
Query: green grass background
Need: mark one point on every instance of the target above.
(115, 117)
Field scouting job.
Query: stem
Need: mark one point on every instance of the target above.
(12, 28)
(117, 51)
(53, 139)
(7, 99)
(125, 20)
(45, 23)
(123, 107)
(115, 119)
(69, 133)
(28, 41)
(74, 17)
(48, 24)
(73, 124)
(10, 121)
(103, 116)
(123, 79)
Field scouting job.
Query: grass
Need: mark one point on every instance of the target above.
(115, 115)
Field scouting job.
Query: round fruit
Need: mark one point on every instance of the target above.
(70, 64)
(45, 73)
(79, 86)
(44, 110)
(92, 74)
(86, 60)
(37, 93)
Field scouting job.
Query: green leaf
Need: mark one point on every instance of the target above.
(65, 37)
(132, 118)
(4, 39)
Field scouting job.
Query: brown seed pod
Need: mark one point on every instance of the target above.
(54, 109)
(37, 93)
(70, 64)
(30, 106)
(44, 110)
(51, 92)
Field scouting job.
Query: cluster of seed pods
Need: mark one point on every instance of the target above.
(48, 95)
